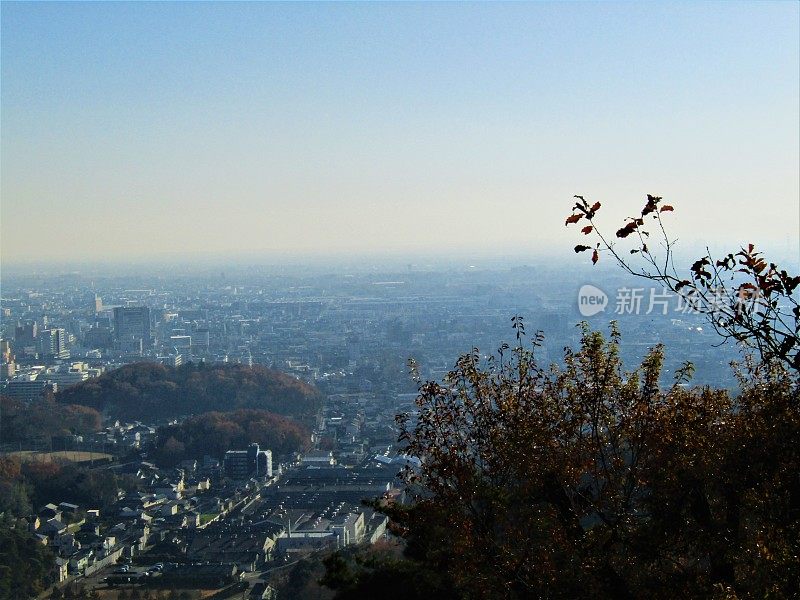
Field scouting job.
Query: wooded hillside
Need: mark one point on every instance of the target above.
(147, 391)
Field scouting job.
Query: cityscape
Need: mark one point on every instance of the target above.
(303, 301)
(350, 336)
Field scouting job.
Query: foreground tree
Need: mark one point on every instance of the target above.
(378, 572)
(745, 297)
(590, 481)
(25, 565)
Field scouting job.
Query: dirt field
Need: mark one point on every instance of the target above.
(77, 457)
(113, 594)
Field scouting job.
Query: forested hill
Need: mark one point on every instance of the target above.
(147, 391)
(213, 433)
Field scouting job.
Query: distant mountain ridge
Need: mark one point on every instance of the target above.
(148, 391)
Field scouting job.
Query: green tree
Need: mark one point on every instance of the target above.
(14, 498)
(25, 565)
(366, 574)
(299, 577)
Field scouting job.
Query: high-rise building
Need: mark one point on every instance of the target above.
(201, 338)
(53, 343)
(29, 387)
(98, 337)
(241, 464)
(7, 366)
(25, 335)
(172, 359)
(132, 322)
(5, 350)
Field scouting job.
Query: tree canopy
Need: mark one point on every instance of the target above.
(25, 485)
(590, 480)
(144, 391)
(40, 420)
(25, 564)
(214, 433)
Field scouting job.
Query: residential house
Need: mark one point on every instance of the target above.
(53, 528)
(80, 560)
(50, 511)
(61, 569)
(349, 527)
(66, 507)
(262, 591)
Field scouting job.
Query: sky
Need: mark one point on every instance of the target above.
(196, 130)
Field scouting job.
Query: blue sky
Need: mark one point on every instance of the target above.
(188, 129)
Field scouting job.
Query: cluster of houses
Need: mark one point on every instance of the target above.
(249, 541)
(200, 531)
(85, 541)
(115, 438)
(82, 542)
(172, 504)
(123, 435)
(357, 425)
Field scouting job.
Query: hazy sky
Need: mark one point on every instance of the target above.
(148, 130)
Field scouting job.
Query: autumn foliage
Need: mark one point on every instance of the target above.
(40, 420)
(27, 485)
(588, 481)
(746, 297)
(148, 391)
(214, 433)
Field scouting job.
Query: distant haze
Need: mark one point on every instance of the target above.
(177, 130)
